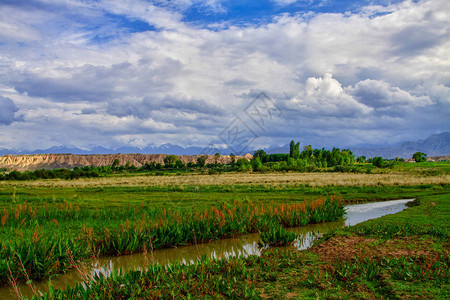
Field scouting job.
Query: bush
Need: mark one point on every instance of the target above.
(420, 157)
(276, 236)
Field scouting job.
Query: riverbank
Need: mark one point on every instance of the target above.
(100, 215)
(38, 242)
(405, 255)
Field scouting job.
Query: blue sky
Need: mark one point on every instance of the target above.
(137, 72)
(246, 11)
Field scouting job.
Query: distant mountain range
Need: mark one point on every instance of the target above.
(435, 145)
(151, 149)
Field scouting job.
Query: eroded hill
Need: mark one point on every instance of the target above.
(69, 161)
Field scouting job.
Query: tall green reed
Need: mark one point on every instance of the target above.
(41, 236)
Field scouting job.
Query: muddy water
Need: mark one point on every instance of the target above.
(243, 246)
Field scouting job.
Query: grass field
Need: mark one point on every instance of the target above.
(202, 191)
(271, 179)
(395, 257)
(46, 222)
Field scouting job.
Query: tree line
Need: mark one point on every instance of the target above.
(308, 160)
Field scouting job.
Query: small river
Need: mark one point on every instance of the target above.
(242, 246)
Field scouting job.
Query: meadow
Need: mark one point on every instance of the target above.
(201, 191)
(48, 226)
(40, 241)
(395, 257)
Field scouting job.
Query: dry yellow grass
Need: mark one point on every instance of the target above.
(272, 179)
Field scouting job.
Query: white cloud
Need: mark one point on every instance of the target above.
(325, 97)
(284, 2)
(12, 27)
(143, 10)
(182, 82)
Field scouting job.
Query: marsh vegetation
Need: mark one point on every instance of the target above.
(50, 226)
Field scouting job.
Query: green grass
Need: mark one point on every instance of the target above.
(430, 168)
(125, 219)
(428, 215)
(400, 256)
(42, 238)
(202, 196)
(413, 257)
(276, 236)
(383, 278)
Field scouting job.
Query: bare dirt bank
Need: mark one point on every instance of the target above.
(69, 161)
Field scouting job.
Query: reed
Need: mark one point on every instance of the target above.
(399, 256)
(207, 278)
(51, 239)
(276, 236)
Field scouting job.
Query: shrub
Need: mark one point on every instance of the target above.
(276, 236)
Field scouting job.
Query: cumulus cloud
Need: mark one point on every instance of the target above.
(379, 72)
(379, 94)
(324, 96)
(7, 111)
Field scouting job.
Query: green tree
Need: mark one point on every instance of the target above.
(116, 163)
(244, 165)
(259, 154)
(294, 149)
(378, 162)
(170, 160)
(216, 157)
(201, 161)
(420, 157)
(256, 164)
(179, 164)
(233, 158)
(348, 156)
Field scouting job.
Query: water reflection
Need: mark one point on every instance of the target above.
(242, 246)
(362, 212)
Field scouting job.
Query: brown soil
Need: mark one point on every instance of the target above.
(347, 248)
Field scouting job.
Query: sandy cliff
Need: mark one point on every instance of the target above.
(55, 161)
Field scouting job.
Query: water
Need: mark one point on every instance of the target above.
(242, 246)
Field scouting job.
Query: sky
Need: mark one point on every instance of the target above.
(198, 72)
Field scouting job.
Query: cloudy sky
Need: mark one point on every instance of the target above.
(138, 72)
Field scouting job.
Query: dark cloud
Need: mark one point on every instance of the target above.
(7, 111)
(239, 82)
(381, 95)
(88, 111)
(89, 83)
(99, 83)
(184, 104)
(414, 40)
(143, 108)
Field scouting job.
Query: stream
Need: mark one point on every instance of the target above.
(242, 246)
